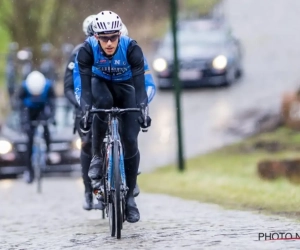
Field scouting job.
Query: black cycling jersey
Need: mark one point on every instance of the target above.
(85, 156)
(68, 79)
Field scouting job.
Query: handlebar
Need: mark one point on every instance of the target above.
(39, 122)
(115, 111)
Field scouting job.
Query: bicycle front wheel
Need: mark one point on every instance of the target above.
(108, 190)
(117, 186)
(112, 219)
(38, 170)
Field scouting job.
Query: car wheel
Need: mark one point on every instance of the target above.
(227, 84)
(230, 78)
(238, 73)
(164, 88)
(8, 176)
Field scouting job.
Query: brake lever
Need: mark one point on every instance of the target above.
(145, 112)
(86, 115)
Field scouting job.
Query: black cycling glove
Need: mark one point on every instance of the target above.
(144, 119)
(142, 122)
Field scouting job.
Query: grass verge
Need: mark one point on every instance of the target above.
(229, 177)
(3, 50)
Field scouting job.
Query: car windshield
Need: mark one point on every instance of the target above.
(205, 38)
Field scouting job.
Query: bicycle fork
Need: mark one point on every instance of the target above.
(124, 187)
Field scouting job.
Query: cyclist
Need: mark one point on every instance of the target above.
(70, 87)
(37, 102)
(111, 69)
(47, 66)
(85, 156)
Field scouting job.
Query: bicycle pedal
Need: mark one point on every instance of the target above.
(99, 195)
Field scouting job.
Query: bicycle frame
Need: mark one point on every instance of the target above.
(37, 147)
(113, 135)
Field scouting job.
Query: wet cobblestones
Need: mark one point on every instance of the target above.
(55, 220)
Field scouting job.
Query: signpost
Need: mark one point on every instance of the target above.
(177, 85)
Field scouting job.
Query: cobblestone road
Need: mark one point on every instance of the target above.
(55, 220)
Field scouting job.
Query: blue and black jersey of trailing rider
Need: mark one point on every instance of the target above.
(38, 101)
(116, 68)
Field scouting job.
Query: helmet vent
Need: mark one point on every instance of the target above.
(115, 24)
(101, 25)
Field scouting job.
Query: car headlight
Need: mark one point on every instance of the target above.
(220, 62)
(5, 147)
(77, 144)
(160, 65)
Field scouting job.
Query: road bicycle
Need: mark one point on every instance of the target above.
(114, 189)
(39, 152)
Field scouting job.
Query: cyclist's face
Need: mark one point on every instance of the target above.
(109, 42)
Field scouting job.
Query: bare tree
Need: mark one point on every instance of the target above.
(33, 22)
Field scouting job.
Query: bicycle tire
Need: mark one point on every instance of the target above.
(106, 199)
(104, 171)
(117, 186)
(123, 210)
(38, 171)
(112, 219)
(105, 196)
(42, 168)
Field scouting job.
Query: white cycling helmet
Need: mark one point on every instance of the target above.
(86, 24)
(24, 55)
(124, 30)
(35, 83)
(107, 22)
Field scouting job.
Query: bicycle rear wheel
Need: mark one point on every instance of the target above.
(103, 214)
(117, 193)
